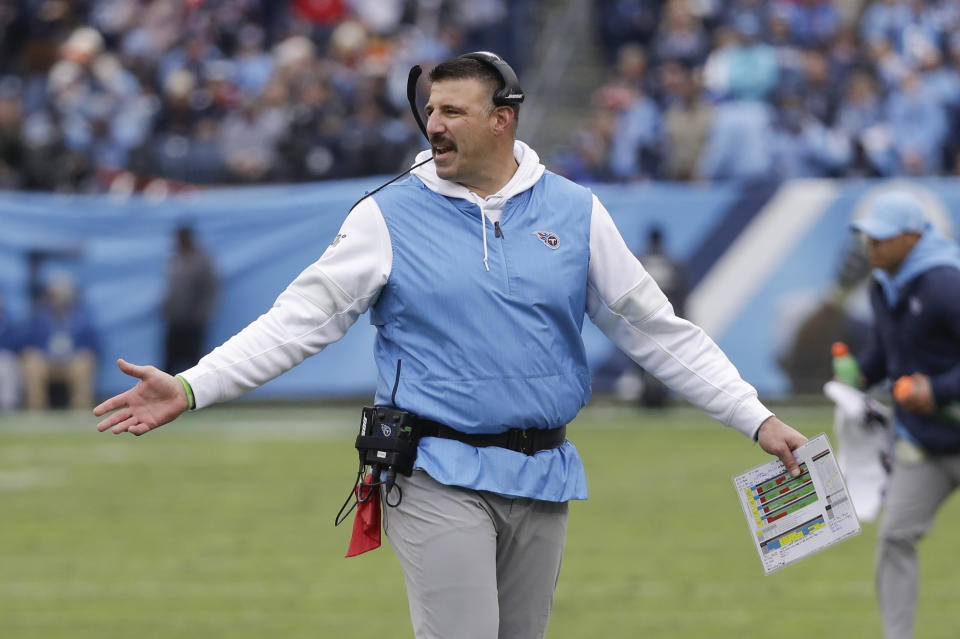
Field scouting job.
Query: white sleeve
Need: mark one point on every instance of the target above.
(628, 306)
(315, 310)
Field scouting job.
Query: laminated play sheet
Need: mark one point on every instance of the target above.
(793, 517)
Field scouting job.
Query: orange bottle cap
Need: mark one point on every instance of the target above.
(903, 388)
(839, 349)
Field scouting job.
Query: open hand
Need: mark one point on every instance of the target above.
(157, 399)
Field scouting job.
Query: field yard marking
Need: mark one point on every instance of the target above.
(267, 423)
(28, 478)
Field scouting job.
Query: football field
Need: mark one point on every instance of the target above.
(220, 525)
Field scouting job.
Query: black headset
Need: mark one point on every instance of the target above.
(510, 95)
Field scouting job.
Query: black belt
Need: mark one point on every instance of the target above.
(522, 440)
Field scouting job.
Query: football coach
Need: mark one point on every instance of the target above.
(477, 270)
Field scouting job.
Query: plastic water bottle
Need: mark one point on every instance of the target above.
(845, 367)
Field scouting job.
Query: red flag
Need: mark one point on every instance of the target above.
(366, 523)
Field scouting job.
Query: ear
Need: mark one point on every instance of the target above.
(503, 117)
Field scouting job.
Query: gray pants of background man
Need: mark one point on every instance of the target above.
(918, 487)
(477, 565)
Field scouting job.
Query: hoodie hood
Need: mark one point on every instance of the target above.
(529, 170)
(932, 250)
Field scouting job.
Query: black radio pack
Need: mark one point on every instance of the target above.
(388, 439)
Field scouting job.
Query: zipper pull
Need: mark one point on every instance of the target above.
(496, 230)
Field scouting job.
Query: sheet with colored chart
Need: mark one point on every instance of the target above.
(793, 517)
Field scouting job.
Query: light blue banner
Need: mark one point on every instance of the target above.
(260, 238)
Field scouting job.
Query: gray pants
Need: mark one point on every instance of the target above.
(477, 565)
(917, 489)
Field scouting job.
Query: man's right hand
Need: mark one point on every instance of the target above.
(157, 399)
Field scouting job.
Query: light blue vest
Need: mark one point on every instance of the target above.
(484, 351)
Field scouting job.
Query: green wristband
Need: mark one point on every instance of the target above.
(191, 402)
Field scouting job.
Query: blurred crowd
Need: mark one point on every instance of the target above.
(778, 89)
(103, 94)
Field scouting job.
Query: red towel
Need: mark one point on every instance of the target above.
(366, 523)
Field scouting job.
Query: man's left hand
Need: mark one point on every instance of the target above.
(920, 399)
(781, 440)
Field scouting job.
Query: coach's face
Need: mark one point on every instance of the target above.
(461, 124)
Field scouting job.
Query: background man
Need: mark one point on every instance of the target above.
(477, 272)
(916, 303)
(191, 296)
(59, 346)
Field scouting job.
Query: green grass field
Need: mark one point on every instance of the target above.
(221, 525)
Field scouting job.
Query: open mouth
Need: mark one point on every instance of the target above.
(445, 150)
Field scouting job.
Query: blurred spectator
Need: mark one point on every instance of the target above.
(194, 53)
(742, 67)
(488, 24)
(821, 87)
(59, 347)
(636, 147)
(882, 20)
(889, 66)
(254, 65)
(858, 113)
(248, 140)
(803, 146)
(790, 59)
(950, 68)
(586, 157)
(633, 70)
(738, 145)
(845, 55)
(812, 22)
(755, 11)
(681, 36)
(919, 124)
(9, 368)
(626, 21)
(189, 303)
(184, 145)
(686, 122)
(942, 82)
(11, 141)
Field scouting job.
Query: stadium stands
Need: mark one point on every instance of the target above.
(110, 93)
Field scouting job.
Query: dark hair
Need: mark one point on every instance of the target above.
(470, 69)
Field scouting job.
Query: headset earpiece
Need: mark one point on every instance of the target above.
(511, 94)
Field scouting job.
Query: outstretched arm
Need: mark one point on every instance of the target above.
(157, 399)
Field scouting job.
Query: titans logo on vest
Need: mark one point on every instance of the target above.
(548, 238)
